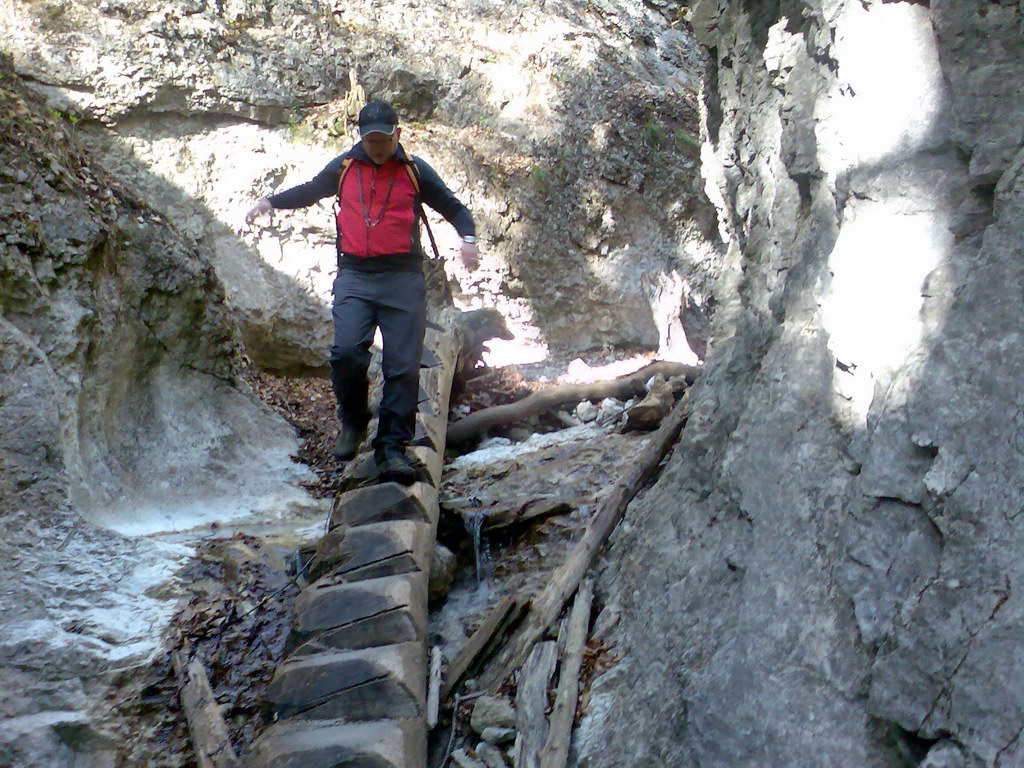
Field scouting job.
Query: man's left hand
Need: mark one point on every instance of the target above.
(470, 256)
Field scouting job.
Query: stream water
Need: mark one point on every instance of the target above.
(475, 523)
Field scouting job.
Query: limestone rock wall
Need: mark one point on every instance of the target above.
(121, 409)
(837, 536)
(568, 129)
(119, 331)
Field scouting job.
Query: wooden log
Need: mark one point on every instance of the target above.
(532, 703)
(555, 753)
(529, 510)
(623, 387)
(500, 616)
(462, 759)
(205, 722)
(544, 609)
(515, 511)
(434, 689)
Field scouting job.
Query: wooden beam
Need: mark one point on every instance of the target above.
(544, 608)
(205, 722)
(434, 688)
(532, 703)
(555, 753)
(499, 616)
(478, 423)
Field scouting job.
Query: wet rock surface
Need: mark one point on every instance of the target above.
(122, 414)
(442, 573)
(101, 300)
(540, 494)
(492, 712)
(235, 612)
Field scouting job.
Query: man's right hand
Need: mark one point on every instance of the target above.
(262, 206)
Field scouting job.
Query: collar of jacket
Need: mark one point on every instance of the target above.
(358, 153)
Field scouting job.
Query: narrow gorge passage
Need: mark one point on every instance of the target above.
(819, 199)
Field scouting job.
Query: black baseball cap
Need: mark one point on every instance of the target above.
(377, 117)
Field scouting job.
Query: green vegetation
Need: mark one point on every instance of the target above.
(563, 77)
(549, 174)
(655, 134)
(236, 28)
(661, 136)
(300, 130)
(71, 117)
(686, 141)
(338, 129)
(495, 175)
(308, 129)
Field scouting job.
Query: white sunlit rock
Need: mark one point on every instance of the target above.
(586, 411)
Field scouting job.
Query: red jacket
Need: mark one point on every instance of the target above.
(380, 218)
(380, 232)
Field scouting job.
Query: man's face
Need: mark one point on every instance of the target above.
(380, 147)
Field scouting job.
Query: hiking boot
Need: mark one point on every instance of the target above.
(349, 439)
(397, 468)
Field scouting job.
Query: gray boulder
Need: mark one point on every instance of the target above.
(492, 712)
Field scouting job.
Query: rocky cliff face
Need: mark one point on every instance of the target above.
(837, 535)
(120, 407)
(567, 128)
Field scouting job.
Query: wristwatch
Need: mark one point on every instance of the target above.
(469, 239)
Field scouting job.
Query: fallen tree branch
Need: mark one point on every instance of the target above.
(621, 388)
(499, 617)
(205, 722)
(531, 702)
(434, 689)
(544, 608)
(556, 749)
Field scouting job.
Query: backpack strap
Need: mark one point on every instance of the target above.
(346, 165)
(414, 175)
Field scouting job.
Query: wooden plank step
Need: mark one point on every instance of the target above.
(362, 471)
(368, 684)
(384, 611)
(429, 359)
(336, 744)
(374, 550)
(427, 435)
(378, 504)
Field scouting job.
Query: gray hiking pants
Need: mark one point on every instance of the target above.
(395, 302)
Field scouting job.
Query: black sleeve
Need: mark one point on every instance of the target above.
(441, 199)
(324, 184)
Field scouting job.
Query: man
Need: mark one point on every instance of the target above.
(380, 278)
